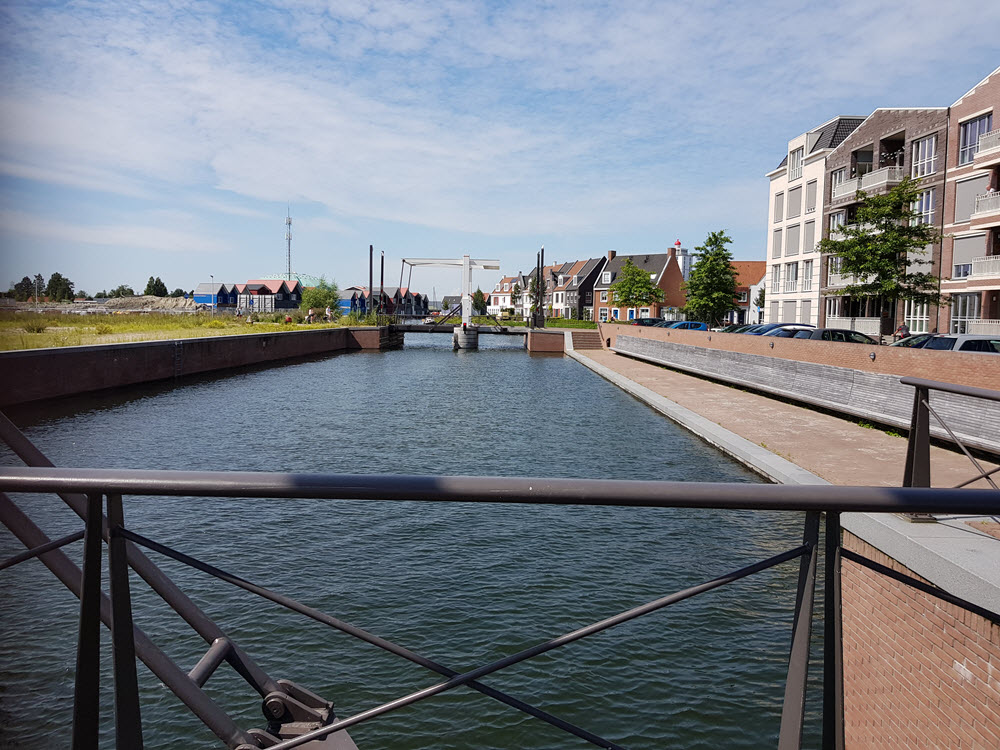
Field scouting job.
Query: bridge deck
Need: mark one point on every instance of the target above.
(498, 330)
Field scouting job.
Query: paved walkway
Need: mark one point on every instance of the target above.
(834, 449)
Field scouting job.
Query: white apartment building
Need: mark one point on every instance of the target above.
(795, 215)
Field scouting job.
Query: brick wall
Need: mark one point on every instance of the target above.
(918, 672)
(546, 341)
(978, 370)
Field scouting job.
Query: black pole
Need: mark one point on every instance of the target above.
(381, 282)
(371, 271)
(541, 304)
(86, 702)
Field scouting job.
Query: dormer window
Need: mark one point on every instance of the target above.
(576, 280)
(652, 277)
(560, 280)
(506, 287)
(606, 277)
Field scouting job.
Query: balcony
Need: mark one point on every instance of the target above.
(987, 210)
(986, 267)
(983, 327)
(883, 178)
(988, 150)
(840, 279)
(868, 326)
(792, 285)
(846, 189)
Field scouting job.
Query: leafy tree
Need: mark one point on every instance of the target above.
(123, 290)
(155, 287)
(24, 289)
(59, 287)
(515, 295)
(884, 247)
(634, 288)
(38, 285)
(323, 295)
(101, 294)
(177, 293)
(711, 287)
(81, 293)
(536, 292)
(478, 302)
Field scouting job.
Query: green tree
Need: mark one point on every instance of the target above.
(155, 287)
(515, 295)
(479, 302)
(101, 294)
(124, 290)
(323, 295)
(536, 292)
(59, 287)
(24, 289)
(177, 293)
(884, 248)
(634, 288)
(711, 287)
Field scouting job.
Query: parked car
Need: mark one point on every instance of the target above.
(916, 341)
(836, 334)
(731, 328)
(760, 330)
(964, 342)
(787, 332)
(647, 321)
(687, 325)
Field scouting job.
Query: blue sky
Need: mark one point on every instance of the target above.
(166, 138)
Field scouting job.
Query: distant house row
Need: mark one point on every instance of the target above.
(394, 301)
(256, 295)
(582, 289)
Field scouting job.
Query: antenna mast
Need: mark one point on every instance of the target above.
(288, 239)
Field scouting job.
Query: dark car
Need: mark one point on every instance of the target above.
(787, 332)
(647, 321)
(916, 341)
(837, 334)
(687, 325)
(765, 327)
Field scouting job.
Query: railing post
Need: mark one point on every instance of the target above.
(918, 446)
(833, 652)
(793, 708)
(128, 723)
(86, 697)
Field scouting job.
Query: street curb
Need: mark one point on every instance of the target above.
(761, 460)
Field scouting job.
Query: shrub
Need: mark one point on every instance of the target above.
(34, 327)
(104, 329)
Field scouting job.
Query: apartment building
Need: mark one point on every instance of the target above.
(875, 157)
(795, 210)
(970, 267)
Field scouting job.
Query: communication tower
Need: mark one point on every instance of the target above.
(288, 240)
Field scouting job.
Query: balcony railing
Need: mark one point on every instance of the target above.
(988, 265)
(792, 285)
(883, 177)
(983, 327)
(840, 279)
(870, 326)
(795, 173)
(989, 143)
(847, 187)
(987, 203)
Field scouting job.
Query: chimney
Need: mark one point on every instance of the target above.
(611, 254)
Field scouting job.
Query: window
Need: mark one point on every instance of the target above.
(606, 277)
(576, 281)
(644, 312)
(506, 287)
(776, 244)
(961, 270)
(604, 296)
(833, 307)
(838, 176)
(916, 316)
(652, 277)
(603, 315)
(964, 307)
(923, 207)
(497, 287)
(809, 237)
(807, 275)
(810, 196)
(794, 203)
(924, 157)
(792, 240)
(561, 280)
(965, 196)
(775, 278)
(836, 221)
(968, 137)
(791, 277)
(795, 164)
(779, 206)
(741, 296)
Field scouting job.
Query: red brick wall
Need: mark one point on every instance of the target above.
(980, 370)
(546, 341)
(918, 672)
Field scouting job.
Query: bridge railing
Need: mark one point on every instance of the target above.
(288, 704)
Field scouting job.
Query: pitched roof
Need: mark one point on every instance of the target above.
(749, 272)
(651, 263)
(836, 131)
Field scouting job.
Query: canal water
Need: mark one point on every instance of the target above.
(464, 584)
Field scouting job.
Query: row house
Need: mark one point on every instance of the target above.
(664, 271)
(889, 145)
(795, 207)
(390, 300)
(502, 296)
(970, 265)
(573, 294)
(268, 295)
(216, 295)
(750, 279)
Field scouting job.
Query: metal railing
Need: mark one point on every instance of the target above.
(791, 285)
(987, 203)
(297, 716)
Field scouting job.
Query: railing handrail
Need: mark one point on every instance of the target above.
(543, 491)
(961, 390)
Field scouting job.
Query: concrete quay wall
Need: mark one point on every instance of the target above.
(841, 377)
(36, 374)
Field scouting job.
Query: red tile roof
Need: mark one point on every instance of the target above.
(749, 272)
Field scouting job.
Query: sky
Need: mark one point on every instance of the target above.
(169, 138)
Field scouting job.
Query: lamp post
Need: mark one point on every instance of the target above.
(212, 277)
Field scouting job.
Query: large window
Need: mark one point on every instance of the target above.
(917, 316)
(779, 206)
(807, 275)
(775, 278)
(603, 315)
(794, 207)
(923, 207)
(606, 277)
(836, 221)
(809, 237)
(924, 156)
(792, 235)
(791, 277)
(968, 137)
(810, 196)
(964, 307)
(776, 244)
(795, 164)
